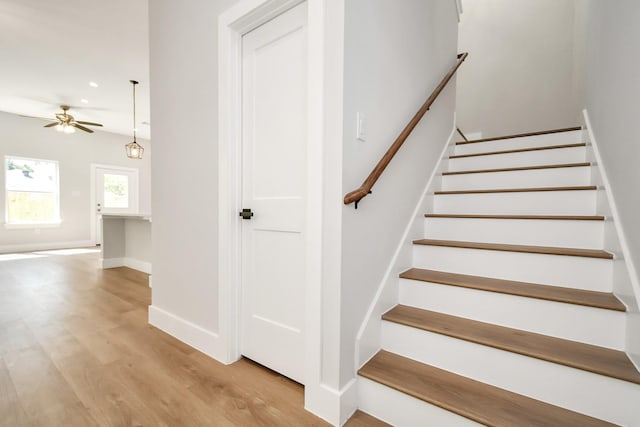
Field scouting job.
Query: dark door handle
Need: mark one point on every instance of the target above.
(246, 214)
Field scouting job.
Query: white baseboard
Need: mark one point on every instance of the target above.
(333, 406)
(111, 262)
(143, 266)
(30, 247)
(207, 342)
(136, 264)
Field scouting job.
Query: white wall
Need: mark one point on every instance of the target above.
(184, 109)
(394, 58)
(523, 66)
(25, 137)
(612, 93)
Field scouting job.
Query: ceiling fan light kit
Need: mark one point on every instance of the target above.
(65, 128)
(65, 123)
(134, 150)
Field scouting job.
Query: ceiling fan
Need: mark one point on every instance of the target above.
(65, 122)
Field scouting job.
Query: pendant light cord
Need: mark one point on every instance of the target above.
(134, 83)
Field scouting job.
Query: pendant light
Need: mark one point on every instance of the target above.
(134, 150)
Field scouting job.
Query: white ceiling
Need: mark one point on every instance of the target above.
(51, 50)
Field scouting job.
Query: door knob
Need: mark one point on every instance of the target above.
(246, 214)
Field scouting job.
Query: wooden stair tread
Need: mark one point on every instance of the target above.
(472, 399)
(536, 217)
(599, 360)
(520, 150)
(520, 168)
(519, 135)
(548, 250)
(603, 300)
(519, 190)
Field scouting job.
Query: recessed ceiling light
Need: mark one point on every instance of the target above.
(93, 84)
(84, 101)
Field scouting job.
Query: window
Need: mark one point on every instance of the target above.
(32, 191)
(116, 191)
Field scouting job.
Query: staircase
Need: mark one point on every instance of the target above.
(507, 317)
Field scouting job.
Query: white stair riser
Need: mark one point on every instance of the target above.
(604, 328)
(402, 410)
(562, 233)
(555, 177)
(559, 385)
(558, 270)
(560, 138)
(582, 202)
(512, 160)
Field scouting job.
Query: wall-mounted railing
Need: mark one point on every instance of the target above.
(356, 195)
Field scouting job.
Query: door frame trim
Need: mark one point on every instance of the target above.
(324, 395)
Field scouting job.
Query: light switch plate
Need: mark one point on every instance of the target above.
(361, 127)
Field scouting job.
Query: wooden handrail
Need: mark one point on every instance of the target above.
(365, 188)
(462, 135)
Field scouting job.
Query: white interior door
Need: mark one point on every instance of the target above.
(274, 123)
(115, 192)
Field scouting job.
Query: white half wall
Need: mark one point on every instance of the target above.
(612, 91)
(26, 137)
(394, 58)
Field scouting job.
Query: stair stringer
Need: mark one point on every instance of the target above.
(368, 339)
(626, 283)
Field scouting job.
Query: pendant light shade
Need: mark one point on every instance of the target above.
(134, 150)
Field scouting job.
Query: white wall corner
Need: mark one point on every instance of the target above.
(626, 280)
(368, 337)
(333, 406)
(207, 342)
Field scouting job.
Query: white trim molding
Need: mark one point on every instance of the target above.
(190, 333)
(133, 263)
(626, 280)
(626, 253)
(336, 406)
(30, 247)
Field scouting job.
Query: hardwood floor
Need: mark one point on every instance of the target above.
(76, 350)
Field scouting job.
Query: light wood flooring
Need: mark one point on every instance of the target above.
(76, 350)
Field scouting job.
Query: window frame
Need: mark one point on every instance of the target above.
(39, 224)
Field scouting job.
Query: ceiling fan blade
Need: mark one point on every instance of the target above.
(88, 123)
(75, 124)
(51, 124)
